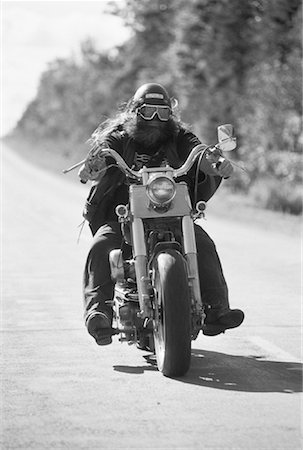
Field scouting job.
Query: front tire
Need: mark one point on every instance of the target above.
(172, 331)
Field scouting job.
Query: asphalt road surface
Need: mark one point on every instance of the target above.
(61, 391)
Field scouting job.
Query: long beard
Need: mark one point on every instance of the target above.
(147, 134)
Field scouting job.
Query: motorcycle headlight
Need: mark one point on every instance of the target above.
(161, 190)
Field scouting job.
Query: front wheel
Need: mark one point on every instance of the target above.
(172, 333)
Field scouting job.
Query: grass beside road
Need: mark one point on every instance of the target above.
(242, 209)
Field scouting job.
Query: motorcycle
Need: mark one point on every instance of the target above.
(157, 302)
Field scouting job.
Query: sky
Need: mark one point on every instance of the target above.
(34, 33)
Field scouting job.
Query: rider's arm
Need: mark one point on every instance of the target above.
(209, 177)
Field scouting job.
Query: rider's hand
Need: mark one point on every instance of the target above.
(220, 166)
(84, 173)
(224, 168)
(92, 168)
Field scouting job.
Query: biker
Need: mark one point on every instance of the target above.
(147, 132)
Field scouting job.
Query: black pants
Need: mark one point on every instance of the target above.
(98, 286)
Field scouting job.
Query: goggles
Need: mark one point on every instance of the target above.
(148, 112)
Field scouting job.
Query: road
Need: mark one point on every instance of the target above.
(61, 391)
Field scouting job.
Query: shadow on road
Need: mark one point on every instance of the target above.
(134, 369)
(243, 373)
(233, 373)
(151, 364)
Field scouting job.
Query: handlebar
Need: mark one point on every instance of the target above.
(137, 175)
(195, 152)
(121, 163)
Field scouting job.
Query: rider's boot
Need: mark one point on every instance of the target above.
(99, 326)
(220, 318)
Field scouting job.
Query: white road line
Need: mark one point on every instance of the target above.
(272, 351)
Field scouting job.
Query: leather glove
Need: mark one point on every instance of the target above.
(84, 173)
(220, 165)
(92, 168)
(224, 168)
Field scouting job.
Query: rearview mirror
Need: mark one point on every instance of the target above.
(227, 141)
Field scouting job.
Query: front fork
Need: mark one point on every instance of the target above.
(143, 280)
(190, 250)
(145, 289)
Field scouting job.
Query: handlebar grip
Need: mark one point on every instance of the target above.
(219, 162)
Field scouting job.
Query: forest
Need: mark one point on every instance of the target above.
(226, 61)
